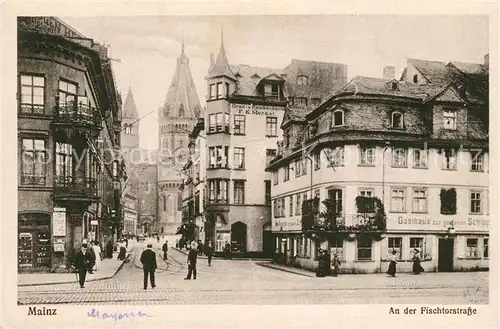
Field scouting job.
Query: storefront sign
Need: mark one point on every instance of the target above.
(290, 224)
(58, 247)
(93, 222)
(470, 223)
(58, 223)
(263, 110)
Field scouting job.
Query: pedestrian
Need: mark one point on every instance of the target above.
(109, 248)
(157, 238)
(417, 268)
(93, 257)
(177, 243)
(126, 242)
(148, 261)
(122, 250)
(336, 264)
(192, 256)
(165, 249)
(320, 271)
(97, 253)
(209, 251)
(392, 266)
(83, 263)
(227, 250)
(200, 247)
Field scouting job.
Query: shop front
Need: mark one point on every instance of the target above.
(34, 241)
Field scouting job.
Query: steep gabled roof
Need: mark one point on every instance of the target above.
(221, 67)
(182, 93)
(294, 115)
(129, 108)
(247, 86)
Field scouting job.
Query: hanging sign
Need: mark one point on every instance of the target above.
(59, 223)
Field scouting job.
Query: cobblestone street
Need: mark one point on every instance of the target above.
(245, 282)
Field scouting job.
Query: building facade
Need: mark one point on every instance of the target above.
(245, 105)
(177, 117)
(69, 118)
(392, 166)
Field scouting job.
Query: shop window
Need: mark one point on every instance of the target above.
(395, 244)
(32, 90)
(364, 248)
(471, 248)
(416, 243)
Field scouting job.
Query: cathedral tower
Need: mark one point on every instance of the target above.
(177, 117)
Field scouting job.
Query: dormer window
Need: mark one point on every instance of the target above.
(315, 102)
(394, 85)
(397, 120)
(450, 119)
(271, 90)
(337, 118)
(415, 78)
(301, 102)
(302, 80)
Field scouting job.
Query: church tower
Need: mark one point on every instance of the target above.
(177, 117)
(130, 124)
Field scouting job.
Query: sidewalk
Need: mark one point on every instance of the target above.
(185, 252)
(109, 267)
(288, 269)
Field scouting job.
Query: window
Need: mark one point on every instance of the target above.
(278, 208)
(304, 166)
(239, 158)
(32, 94)
(275, 177)
(335, 157)
(220, 90)
(67, 94)
(394, 85)
(298, 165)
(164, 203)
(64, 160)
(270, 155)
(217, 191)
(271, 90)
(219, 121)
(415, 78)
(419, 158)
(181, 111)
(399, 157)
(298, 205)
(317, 161)
(301, 102)
(290, 205)
(448, 201)
(211, 123)
(239, 124)
(271, 126)
(419, 200)
(449, 157)
(364, 248)
(397, 120)
(338, 118)
(217, 156)
(367, 156)
(335, 196)
(227, 90)
(315, 102)
(368, 193)
(486, 251)
(398, 200)
(33, 161)
(416, 243)
(475, 202)
(477, 160)
(395, 244)
(471, 249)
(239, 191)
(317, 193)
(337, 247)
(213, 91)
(286, 176)
(302, 80)
(267, 191)
(450, 119)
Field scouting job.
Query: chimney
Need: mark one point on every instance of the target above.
(487, 61)
(389, 73)
(212, 61)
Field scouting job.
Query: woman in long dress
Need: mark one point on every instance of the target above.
(97, 252)
(122, 249)
(417, 268)
(392, 266)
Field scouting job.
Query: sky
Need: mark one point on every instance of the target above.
(147, 47)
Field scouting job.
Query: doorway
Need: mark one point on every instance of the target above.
(238, 237)
(445, 255)
(268, 243)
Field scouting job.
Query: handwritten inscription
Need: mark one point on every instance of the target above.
(115, 316)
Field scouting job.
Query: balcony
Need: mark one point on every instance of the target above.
(73, 188)
(77, 115)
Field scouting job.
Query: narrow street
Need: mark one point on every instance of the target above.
(245, 282)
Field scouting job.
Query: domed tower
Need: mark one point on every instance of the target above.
(177, 117)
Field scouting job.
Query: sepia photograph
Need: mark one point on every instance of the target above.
(269, 159)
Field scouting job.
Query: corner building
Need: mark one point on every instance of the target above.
(69, 121)
(402, 165)
(245, 107)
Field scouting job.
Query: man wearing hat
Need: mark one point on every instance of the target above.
(83, 262)
(148, 260)
(192, 256)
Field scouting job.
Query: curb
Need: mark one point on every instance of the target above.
(283, 269)
(223, 258)
(72, 281)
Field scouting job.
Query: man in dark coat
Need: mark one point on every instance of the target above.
(209, 251)
(192, 256)
(165, 249)
(148, 260)
(83, 263)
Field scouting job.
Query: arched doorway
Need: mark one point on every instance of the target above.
(239, 237)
